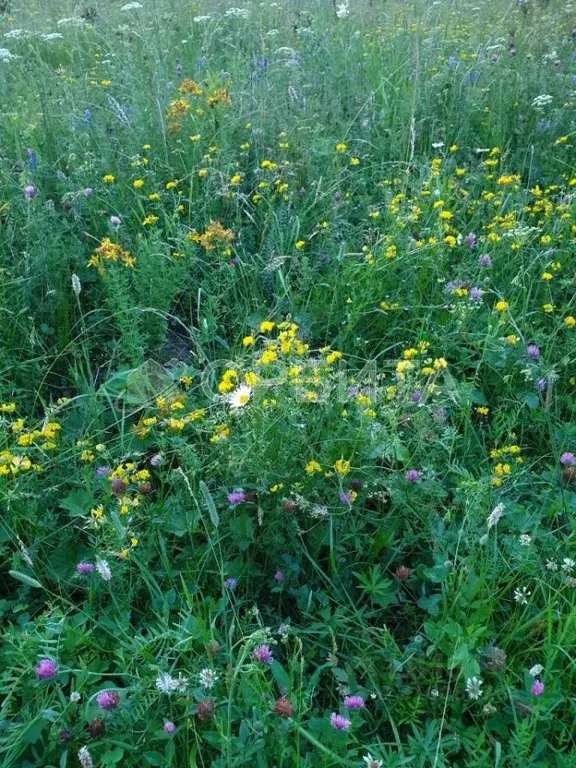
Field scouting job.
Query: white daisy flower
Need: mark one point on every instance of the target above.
(240, 397)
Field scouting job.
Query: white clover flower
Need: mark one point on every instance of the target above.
(521, 595)
(551, 565)
(536, 670)
(75, 697)
(207, 678)
(525, 540)
(568, 564)
(165, 683)
(180, 684)
(371, 762)
(474, 688)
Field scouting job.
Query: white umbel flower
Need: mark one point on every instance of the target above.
(131, 7)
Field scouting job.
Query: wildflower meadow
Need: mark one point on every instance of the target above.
(287, 384)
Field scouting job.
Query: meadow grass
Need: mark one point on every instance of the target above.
(287, 378)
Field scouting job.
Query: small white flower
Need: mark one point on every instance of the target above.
(85, 758)
(103, 569)
(71, 21)
(568, 564)
(551, 565)
(76, 284)
(525, 540)
(165, 683)
(536, 670)
(131, 7)
(14, 34)
(75, 697)
(238, 13)
(437, 144)
(200, 19)
(6, 56)
(371, 762)
(542, 101)
(495, 515)
(180, 684)
(342, 11)
(240, 397)
(207, 678)
(474, 688)
(521, 595)
(49, 36)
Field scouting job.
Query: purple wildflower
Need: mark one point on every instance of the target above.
(345, 497)
(30, 191)
(541, 385)
(115, 221)
(412, 476)
(537, 688)
(263, 654)
(157, 459)
(532, 352)
(354, 702)
(169, 727)
(103, 471)
(568, 459)
(32, 159)
(108, 700)
(416, 396)
(46, 669)
(236, 497)
(230, 583)
(475, 293)
(84, 568)
(471, 240)
(338, 722)
(88, 192)
(279, 576)
(485, 260)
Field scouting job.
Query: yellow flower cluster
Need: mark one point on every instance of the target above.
(110, 252)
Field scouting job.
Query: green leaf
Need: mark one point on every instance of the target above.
(209, 501)
(78, 502)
